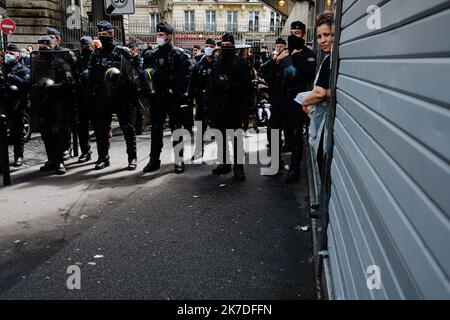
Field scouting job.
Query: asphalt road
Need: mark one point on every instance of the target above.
(190, 236)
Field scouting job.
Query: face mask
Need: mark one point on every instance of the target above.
(24, 55)
(86, 51)
(209, 51)
(105, 40)
(9, 58)
(295, 42)
(228, 53)
(160, 41)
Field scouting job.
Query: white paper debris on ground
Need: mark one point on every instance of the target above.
(302, 228)
(91, 263)
(194, 196)
(83, 217)
(98, 256)
(17, 241)
(222, 185)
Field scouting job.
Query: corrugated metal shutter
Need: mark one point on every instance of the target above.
(390, 199)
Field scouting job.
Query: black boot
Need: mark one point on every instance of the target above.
(130, 140)
(85, 157)
(153, 165)
(296, 157)
(50, 165)
(66, 154)
(18, 150)
(60, 168)
(179, 167)
(18, 162)
(132, 164)
(102, 163)
(155, 150)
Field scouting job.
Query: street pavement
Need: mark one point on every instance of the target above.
(154, 236)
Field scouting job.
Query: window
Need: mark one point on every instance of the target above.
(253, 21)
(232, 21)
(189, 21)
(210, 22)
(275, 21)
(154, 20)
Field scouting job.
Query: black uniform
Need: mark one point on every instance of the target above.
(18, 81)
(170, 81)
(198, 91)
(84, 100)
(53, 83)
(112, 95)
(295, 74)
(230, 80)
(187, 103)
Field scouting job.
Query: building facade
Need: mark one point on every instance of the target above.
(251, 20)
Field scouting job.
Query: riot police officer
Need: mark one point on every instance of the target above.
(137, 59)
(272, 74)
(198, 88)
(17, 86)
(171, 72)
(84, 101)
(297, 71)
(228, 82)
(55, 35)
(52, 83)
(111, 81)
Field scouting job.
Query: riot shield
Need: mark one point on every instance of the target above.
(51, 68)
(51, 78)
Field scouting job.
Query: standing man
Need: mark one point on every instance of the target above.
(52, 83)
(136, 56)
(112, 86)
(272, 74)
(56, 37)
(25, 57)
(18, 86)
(197, 53)
(171, 71)
(198, 89)
(228, 82)
(84, 101)
(297, 71)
